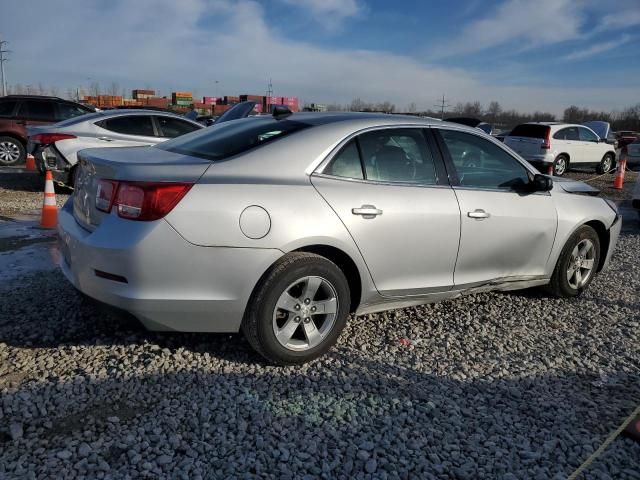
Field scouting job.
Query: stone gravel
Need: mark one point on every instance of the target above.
(494, 385)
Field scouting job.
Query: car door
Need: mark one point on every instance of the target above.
(506, 233)
(391, 192)
(126, 131)
(35, 112)
(591, 147)
(171, 127)
(568, 141)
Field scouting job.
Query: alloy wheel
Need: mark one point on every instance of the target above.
(561, 165)
(581, 264)
(305, 313)
(606, 164)
(9, 152)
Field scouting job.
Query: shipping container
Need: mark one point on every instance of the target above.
(229, 99)
(210, 100)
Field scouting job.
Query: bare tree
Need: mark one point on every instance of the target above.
(412, 108)
(41, 89)
(113, 89)
(94, 88)
(493, 111)
(72, 94)
(19, 89)
(357, 105)
(54, 91)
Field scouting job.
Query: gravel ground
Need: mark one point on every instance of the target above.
(21, 192)
(494, 385)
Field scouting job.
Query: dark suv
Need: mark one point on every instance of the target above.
(17, 112)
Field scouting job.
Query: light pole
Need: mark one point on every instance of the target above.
(2, 60)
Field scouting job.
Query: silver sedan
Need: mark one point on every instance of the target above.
(281, 226)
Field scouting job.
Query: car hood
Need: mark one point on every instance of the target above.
(566, 185)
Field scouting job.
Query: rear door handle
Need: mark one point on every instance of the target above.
(478, 214)
(105, 139)
(367, 211)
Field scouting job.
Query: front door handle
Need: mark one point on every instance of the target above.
(478, 214)
(367, 211)
(105, 139)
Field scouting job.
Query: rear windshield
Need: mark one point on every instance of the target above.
(231, 138)
(80, 119)
(531, 131)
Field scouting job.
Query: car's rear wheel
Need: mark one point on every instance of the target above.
(298, 310)
(560, 165)
(577, 264)
(12, 151)
(605, 164)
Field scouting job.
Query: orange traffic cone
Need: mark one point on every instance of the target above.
(618, 182)
(49, 218)
(31, 163)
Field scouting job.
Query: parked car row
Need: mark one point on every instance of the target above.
(19, 112)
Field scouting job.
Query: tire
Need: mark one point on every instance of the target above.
(12, 151)
(563, 284)
(264, 315)
(606, 164)
(560, 165)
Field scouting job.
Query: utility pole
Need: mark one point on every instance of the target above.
(3, 43)
(442, 105)
(270, 89)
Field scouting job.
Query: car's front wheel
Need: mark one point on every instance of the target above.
(605, 164)
(577, 264)
(298, 309)
(12, 151)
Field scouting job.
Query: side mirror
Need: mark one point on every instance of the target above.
(541, 183)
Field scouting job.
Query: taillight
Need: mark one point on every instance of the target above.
(104, 195)
(546, 145)
(49, 138)
(140, 200)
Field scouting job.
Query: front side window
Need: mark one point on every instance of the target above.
(7, 107)
(397, 155)
(37, 110)
(139, 125)
(587, 135)
(481, 164)
(174, 127)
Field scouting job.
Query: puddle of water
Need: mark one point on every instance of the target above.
(25, 249)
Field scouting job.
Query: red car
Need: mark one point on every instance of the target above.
(625, 137)
(17, 112)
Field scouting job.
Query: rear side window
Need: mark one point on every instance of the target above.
(37, 110)
(174, 127)
(70, 110)
(139, 125)
(231, 138)
(7, 107)
(397, 155)
(346, 163)
(570, 133)
(530, 130)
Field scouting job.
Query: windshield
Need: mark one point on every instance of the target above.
(231, 138)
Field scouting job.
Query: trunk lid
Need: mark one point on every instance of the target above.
(142, 164)
(528, 139)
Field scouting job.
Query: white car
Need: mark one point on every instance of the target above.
(55, 147)
(633, 152)
(561, 145)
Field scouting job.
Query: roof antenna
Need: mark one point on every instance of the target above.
(280, 112)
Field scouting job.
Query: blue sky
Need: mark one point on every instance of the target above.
(529, 55)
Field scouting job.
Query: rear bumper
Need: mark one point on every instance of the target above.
(48, 158)
(170, 284)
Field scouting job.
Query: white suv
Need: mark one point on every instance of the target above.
(562, 145)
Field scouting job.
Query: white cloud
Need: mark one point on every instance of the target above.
(527, 23)
(329, 13)
(621, 19)
(187, 45)
(598, 48)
